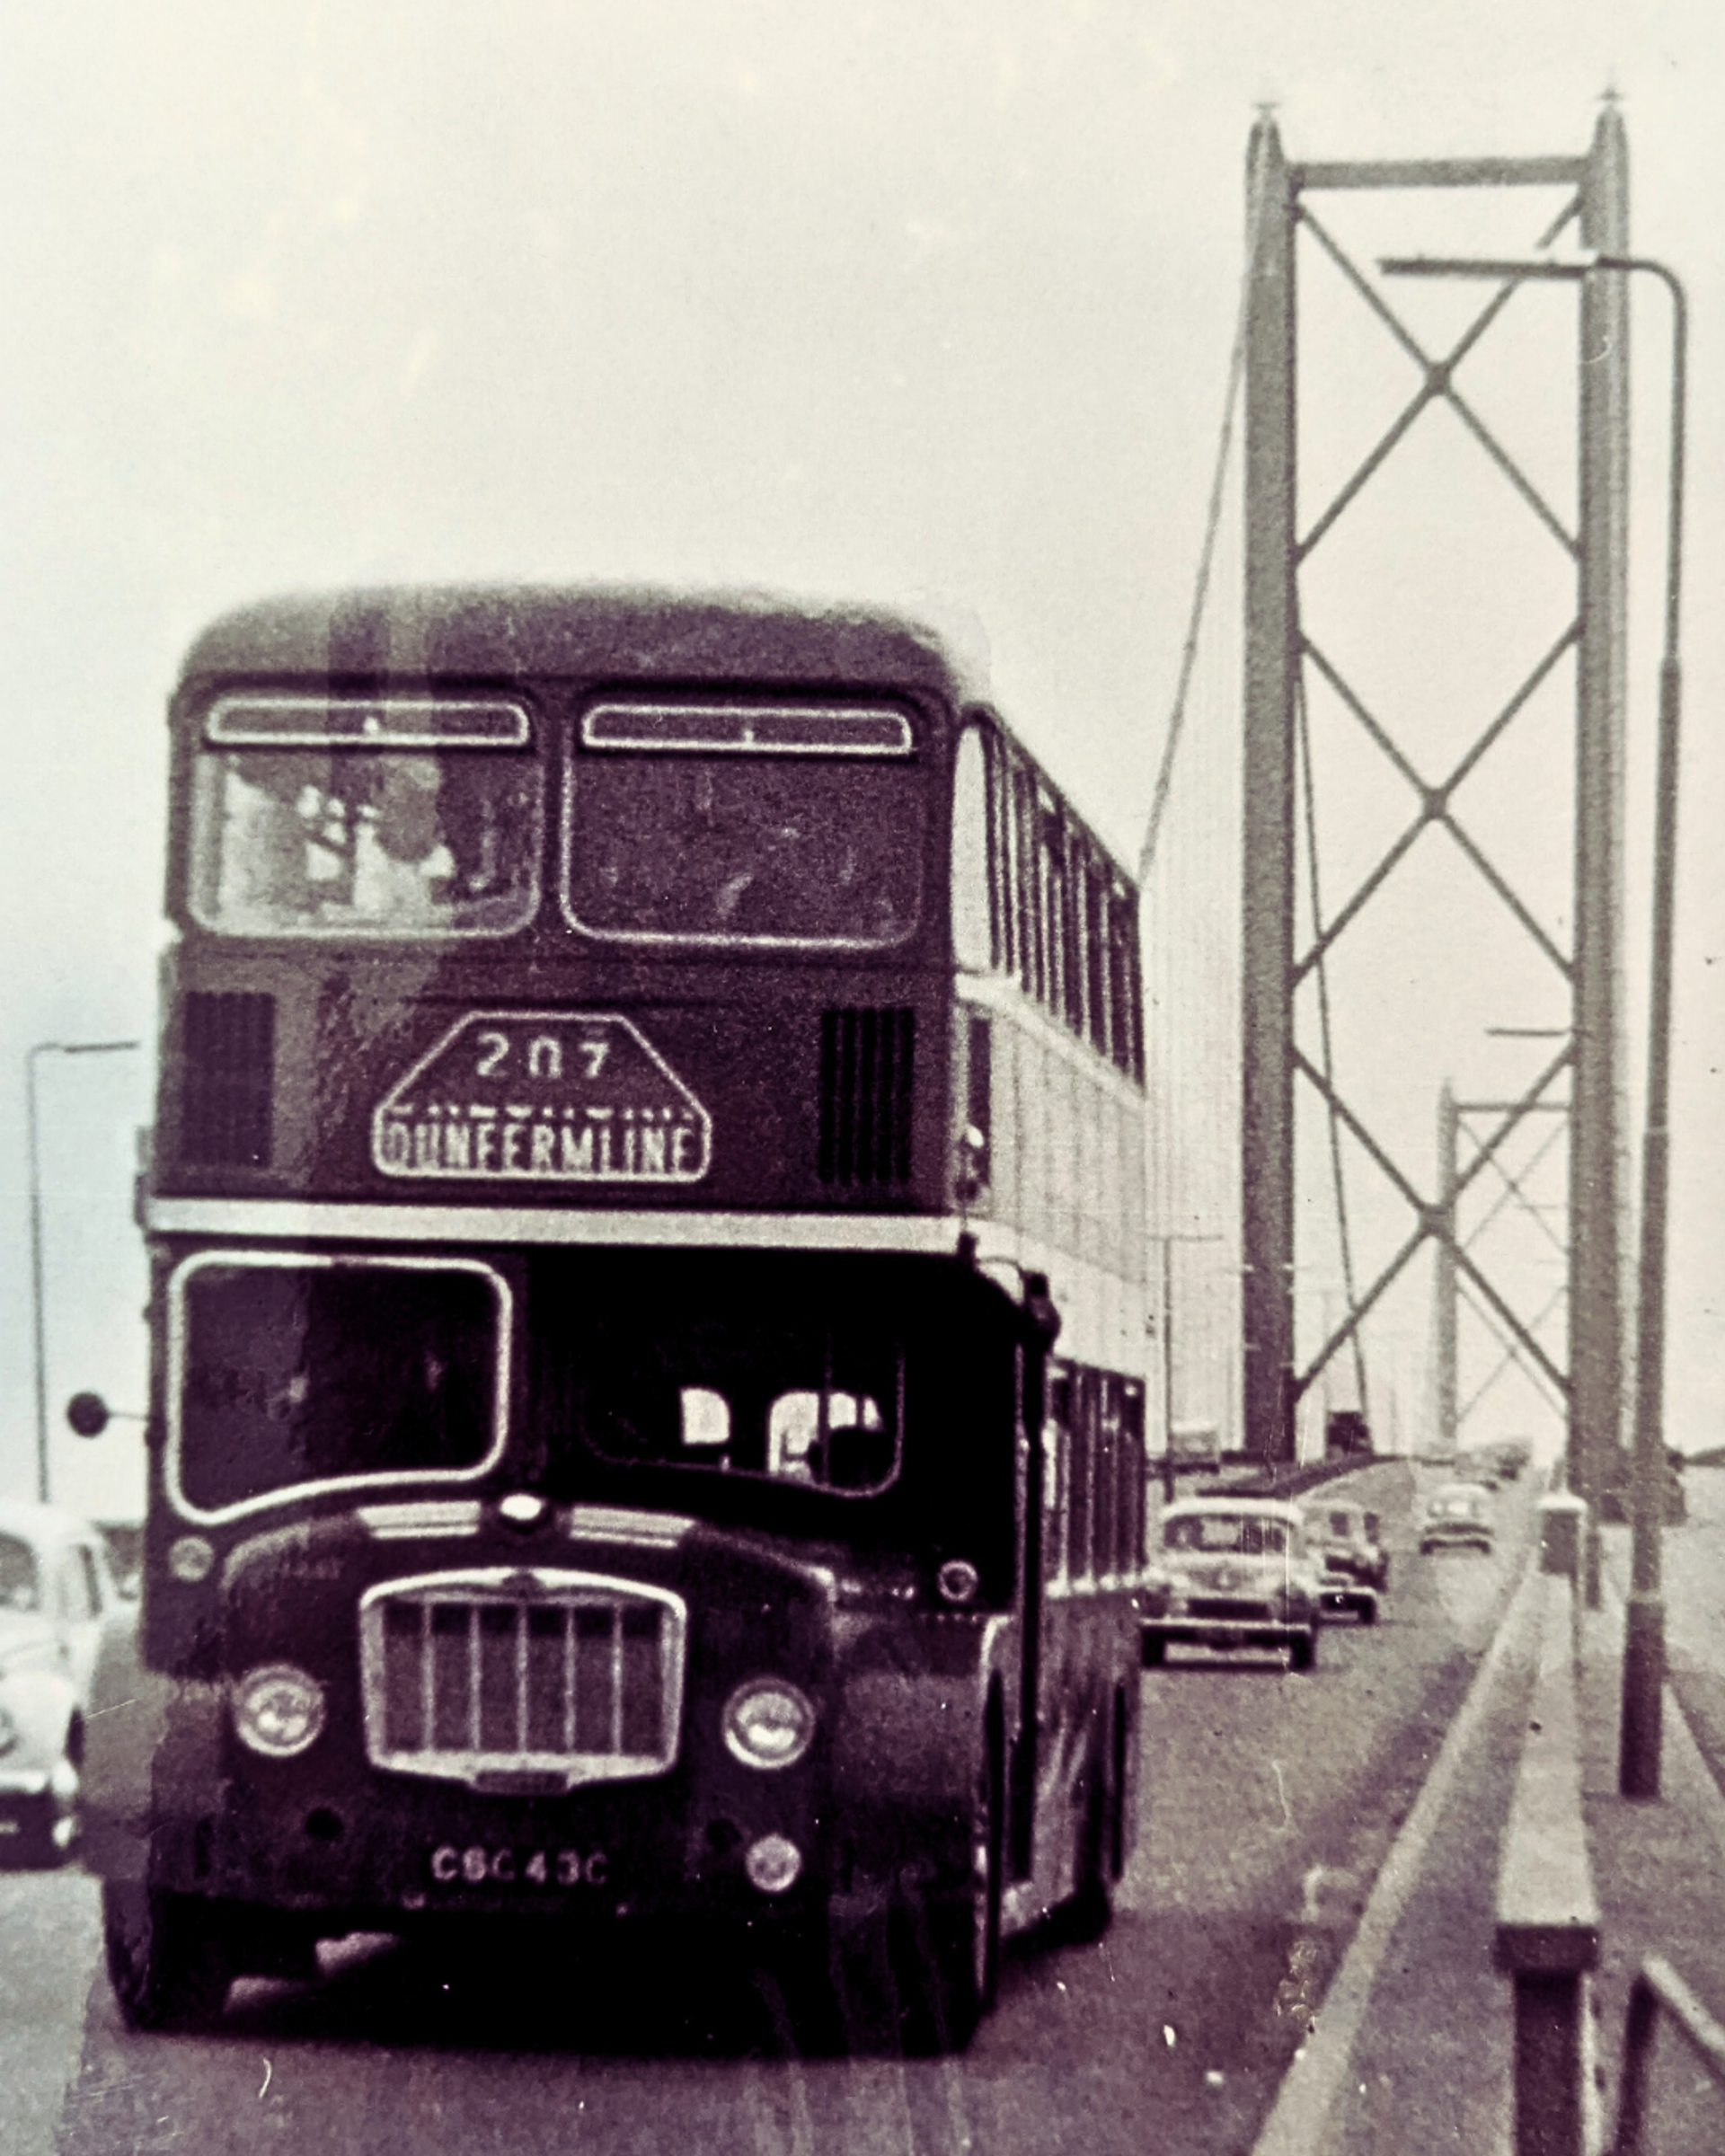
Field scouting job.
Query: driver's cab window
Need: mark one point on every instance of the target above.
(825, 1440)
(835, 1439)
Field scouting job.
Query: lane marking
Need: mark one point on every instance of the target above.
(1298, 2117)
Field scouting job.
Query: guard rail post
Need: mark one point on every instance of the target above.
(1547, 1913)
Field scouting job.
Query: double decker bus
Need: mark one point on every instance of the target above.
(647, 1300)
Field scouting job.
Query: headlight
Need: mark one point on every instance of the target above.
(279, 1710)
(768, 1723)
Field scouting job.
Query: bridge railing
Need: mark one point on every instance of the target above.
(1657, 1989)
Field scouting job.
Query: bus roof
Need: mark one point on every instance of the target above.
(511, 631)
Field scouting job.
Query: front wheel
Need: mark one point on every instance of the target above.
(1153, 1650)
(167, 1959)
(1303, 1652)
(958, 1965)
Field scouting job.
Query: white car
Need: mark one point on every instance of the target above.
(57, 1592)
(1238, 1574)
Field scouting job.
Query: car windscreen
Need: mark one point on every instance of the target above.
(752, 841)
(20, 1582)
(1243, 1534)
(400, 820)
(298, 1373)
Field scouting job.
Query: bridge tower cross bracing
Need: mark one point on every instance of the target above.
(1277, 658)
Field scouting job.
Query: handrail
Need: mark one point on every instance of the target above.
(1657, 1988)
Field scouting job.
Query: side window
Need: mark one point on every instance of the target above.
(76, 1597)
(1081, 1521)
(1096, 956)
(1062, 1404)
(1132, 1508)
(972, 937)
(1052, 866)
(1056, 1475)
(1003, 831)
(1032, 940)
(1103, 1417)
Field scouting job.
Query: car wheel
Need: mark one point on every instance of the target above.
(1368, 1612)
(167, 1958)
(48, 1825)
(1153, 1650)
(1382, 1583)
(1303, 1652)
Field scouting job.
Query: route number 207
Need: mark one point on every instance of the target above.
(480, 1867)
(544, 1055)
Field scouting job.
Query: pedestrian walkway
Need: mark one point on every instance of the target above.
(1659, 1870)
(1427, 2064)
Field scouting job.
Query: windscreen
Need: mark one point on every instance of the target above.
(799, 1384)
(398, 819)
(1243, 1534)
(298, 1373)
(731, 824)
(20, 1588)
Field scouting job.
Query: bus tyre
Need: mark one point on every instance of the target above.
(1303, 1652)
(957, 1970)
(167, 1960)
(1090, 1911)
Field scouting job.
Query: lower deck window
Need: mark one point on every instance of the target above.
(304, 1370)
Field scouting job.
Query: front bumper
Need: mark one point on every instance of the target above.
(1190, 1628)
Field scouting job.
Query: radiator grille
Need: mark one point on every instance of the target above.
(229, 1048)
(522, 1681)
(867, 1061)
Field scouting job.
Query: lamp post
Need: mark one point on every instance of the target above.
(1167, 1323)
(1638, 1763)
(38, 1343)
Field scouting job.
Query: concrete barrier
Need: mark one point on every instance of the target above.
(1547, 1912)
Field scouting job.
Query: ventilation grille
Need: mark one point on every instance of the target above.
(867, 1059)
(230, 1052)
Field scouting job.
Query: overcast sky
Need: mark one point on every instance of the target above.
(919, 302)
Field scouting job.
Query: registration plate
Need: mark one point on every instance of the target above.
(480, 1864)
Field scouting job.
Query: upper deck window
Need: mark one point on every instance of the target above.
(356, 816)
(299, 1372)
(795, 825)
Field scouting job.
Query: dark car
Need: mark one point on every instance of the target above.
(1347, 1541)
(1458, 1516)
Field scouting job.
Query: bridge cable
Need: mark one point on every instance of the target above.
(1308, 792)
(1207, 558)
